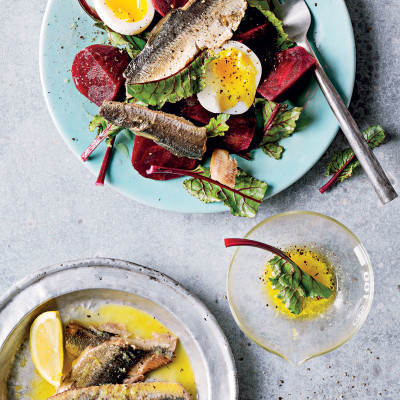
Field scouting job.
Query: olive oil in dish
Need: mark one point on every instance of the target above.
(317, 267)
(139, 324)
(39, 389)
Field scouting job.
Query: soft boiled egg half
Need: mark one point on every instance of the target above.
(127, 17)
(232, 79)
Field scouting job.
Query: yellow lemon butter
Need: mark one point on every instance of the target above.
(317, 267)
(139, 324)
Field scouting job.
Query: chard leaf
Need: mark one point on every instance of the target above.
(282, 41)
(136, 42)
(277, 122)
(138, 103)
(283, 124)
(217, 126)
(345, 161)
(339, 160)
(122, 148)
(132, 44)
(293, 295)
(374, 135)
(266, 111)
(243, 201)
(294, 284)
(203, 190)
(259, 3)
(273, 150)
(187, 82)
(100, 123)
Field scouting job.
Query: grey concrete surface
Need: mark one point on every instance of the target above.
(50, 211)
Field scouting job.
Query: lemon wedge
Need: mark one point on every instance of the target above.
(46, 344)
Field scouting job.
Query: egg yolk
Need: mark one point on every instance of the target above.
(234, 78)
(128, 10)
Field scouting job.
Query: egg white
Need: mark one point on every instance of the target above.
(120, 26)
(208, 97)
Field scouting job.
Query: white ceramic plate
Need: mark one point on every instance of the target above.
(106, 280)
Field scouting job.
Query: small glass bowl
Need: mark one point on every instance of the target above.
(294, 339)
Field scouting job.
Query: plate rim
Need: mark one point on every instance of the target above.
(124, 266)
(215, 207)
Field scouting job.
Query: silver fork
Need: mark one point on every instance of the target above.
(296, 19)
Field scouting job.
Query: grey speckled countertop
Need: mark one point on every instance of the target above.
(52, 212)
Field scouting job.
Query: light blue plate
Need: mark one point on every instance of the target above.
(67, 29)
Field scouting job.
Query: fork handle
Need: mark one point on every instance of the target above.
(364, 154)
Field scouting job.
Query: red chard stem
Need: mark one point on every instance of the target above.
(271, 119)
(230, 242)
(106, 162)
(334, 178)
(183, 172)
(90, 10)
(99, 138)
(368, 139)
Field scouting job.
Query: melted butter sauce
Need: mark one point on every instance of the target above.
(314, 265)
(40, 389)
(140, 324)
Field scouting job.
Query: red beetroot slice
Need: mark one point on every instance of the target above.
(146, 153)
(241, 128)
(290, 66)
(241, 132)
(197, 112)
(253, 33)
(97, 72)
(165, 6)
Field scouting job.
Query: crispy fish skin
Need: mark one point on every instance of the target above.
(107, 363)
(137, 391)
(79, 337)
(167, 343)
(176, 134)
(160, 351)
(182, 34)
(157, 351)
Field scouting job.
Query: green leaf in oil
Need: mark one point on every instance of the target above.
(294, 284)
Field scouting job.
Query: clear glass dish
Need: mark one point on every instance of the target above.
(294, 339)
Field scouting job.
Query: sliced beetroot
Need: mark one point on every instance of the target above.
(197, 113)
(259, 35)
(290, 66)
(241, 127)
(165, 6)
(97, 72)
(146, 153)
(253, 18)
(252, 33)
(240, 134)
